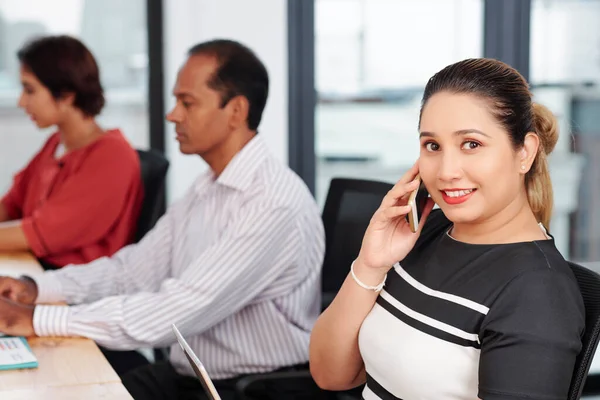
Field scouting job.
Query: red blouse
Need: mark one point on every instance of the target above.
(81, 206)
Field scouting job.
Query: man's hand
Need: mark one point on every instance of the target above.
(22, 290)
(16, 319)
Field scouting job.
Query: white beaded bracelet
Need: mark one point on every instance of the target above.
(376, 289)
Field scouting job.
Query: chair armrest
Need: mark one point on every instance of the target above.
(161, 353)
(242, 385)
(308, 391)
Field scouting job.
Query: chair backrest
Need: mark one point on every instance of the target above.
(154, 168)
(589, 285)
(348, 209)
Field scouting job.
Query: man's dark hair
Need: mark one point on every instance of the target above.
(239, 73)
(64, 65)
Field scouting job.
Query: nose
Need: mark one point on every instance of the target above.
(450, 168)
(21, 103)
(170, 116)
(174, 115)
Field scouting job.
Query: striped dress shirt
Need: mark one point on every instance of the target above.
(235, 264)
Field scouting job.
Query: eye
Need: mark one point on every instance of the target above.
(186, 104)
(431, 146)
(470, 145)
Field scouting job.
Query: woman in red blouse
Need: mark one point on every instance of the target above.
(79, 198)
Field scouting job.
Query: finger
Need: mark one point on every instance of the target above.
(398, 192)
(411, 174)
(5, 291)
(19, 298)
(400, 188)
(394, 212)
(5, 285)
(426, 211)
(9, 293)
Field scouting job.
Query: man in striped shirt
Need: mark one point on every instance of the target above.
(235, 263)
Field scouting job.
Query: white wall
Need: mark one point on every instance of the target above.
(259, 24)
(564, 47)
(375, 44)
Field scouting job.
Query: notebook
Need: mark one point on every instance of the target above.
(197, 366)
(15, 353)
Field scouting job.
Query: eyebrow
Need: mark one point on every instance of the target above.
(456, 133)
(183, 94)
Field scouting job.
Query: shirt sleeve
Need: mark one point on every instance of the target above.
(137, 267)
(227, 276)
(531, 337)
(87, 206)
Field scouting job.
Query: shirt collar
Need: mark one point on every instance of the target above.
(238, 173)
(240, 170)
(202, 182)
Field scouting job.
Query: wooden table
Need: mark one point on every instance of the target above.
(17, 264)
(108, 391)
(69, 368)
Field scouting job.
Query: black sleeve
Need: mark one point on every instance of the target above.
(531, 337)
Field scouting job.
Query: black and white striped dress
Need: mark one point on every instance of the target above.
(462, 321)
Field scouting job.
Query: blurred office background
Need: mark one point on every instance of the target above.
(346, 81)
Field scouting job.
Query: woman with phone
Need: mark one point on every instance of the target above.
(79, 197)
(478, 302)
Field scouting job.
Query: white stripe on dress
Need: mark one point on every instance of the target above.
(428, 320)
(441, 295)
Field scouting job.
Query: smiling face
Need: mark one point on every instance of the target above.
(467, 160)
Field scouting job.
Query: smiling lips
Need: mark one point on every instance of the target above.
(457, 196)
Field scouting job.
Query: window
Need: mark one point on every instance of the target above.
(373, 59)
(565, 76)
(115, 32)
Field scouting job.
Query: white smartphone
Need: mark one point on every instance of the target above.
(197, 366)
(417, 201)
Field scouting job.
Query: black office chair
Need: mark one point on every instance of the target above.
(589, 285)
(154, 167)
(348, 209)
(296, 385)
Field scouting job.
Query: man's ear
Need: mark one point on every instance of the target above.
(239, 107)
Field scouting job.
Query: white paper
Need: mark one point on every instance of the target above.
(13, 351)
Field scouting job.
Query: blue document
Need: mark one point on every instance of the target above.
(15, 353)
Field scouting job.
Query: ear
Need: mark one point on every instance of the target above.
(66, 99)
(239, 108)
(528, 152)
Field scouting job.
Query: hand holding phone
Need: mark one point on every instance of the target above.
(389, 236)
